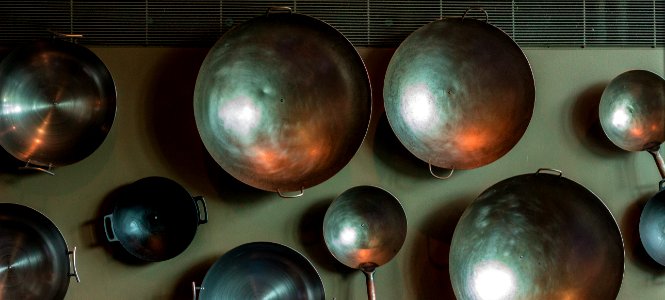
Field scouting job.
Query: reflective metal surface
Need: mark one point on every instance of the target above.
(282, 102)
(156, 219)
(262, 270)
(652, 226)
(537, 236)
(364, 228)
(632, 110)
(33, 255)
(58, 103)
(459, 93)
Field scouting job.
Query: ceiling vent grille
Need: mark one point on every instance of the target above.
(377, 23)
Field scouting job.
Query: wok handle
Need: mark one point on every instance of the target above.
(29, 166)
(73, 266)
(431, 171)
(200, 199)
(279, 9)
(109, 238)
(487, 16)
(195, 289)
(659, 161)
(369, 280)
(549, 170)
(302, 192)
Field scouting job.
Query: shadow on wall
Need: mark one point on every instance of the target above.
(586, 122)
(169, 112)
(392, 153)
(429, 263)
(630, 229)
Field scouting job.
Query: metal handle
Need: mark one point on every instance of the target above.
(279, 9)
(660, 184)
(197, 200)
(302, 192)
(65, 35)
(29, 166)
(559, 173)
(107, 231)
(431, 171)
(659, 160)
(369, 280)
(487, 16)
(195, 289)
(73, 266)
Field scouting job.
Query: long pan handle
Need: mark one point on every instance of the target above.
(659, 161)
(369, 279)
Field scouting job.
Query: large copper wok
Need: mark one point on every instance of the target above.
(458, 93)
(58, 103)
(537, 236)
(282, 102)
(34, 258)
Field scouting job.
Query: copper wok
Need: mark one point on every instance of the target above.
(632, 114)
(537, 236)
(282, 102)
(34, 258)
(261, 270)
(365, 228)
(58, 103)
(458, 93)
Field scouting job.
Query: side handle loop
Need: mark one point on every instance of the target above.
(431, 171)
(487, 16)
(302, 192)
(558, 172)
(74, 272)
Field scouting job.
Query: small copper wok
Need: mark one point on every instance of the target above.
(459, 93)
(537, 236)
(58, 103)
(282, 102)
(365, 228)
(632, 114)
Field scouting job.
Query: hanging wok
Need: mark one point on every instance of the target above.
(458, 93)
(261, 270)
(34, 258)
(365, 228)
(58, 103)
(282, 102)
(537, 236)
(156, 219)
(632, 114)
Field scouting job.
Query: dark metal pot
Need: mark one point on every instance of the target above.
(58, 103)
(458, 93)
(261, 270)
(156, 219)
(34, 259)
(537, 236)
(652, 226)
(282, 102)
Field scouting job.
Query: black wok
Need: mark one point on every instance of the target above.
(652, 226)
(34, 258)
(261, 270)
(155, 219)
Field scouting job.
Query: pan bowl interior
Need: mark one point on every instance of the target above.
(33, 255)
(262, 270)
(156, 219)
(652, 228)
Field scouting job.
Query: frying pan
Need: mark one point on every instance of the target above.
(458, 93)
(537, 236)
(156, 219)
(282, 102)
(34, 258)
(58, 103)
(365, 228)
(261, 270)
(632, 114)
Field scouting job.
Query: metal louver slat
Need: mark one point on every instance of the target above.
(375, 23)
